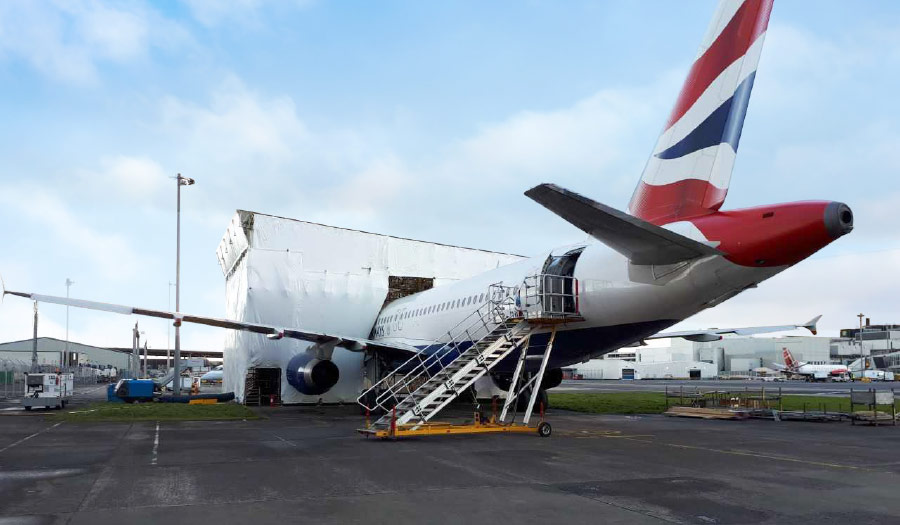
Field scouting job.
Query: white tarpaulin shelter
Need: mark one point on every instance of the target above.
(321, 278)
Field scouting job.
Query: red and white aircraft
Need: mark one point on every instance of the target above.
(811, 372)
(675, 252)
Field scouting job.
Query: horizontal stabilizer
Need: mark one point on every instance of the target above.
(640, 241)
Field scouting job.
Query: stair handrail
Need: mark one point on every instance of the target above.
(499, 307)
(427, 365)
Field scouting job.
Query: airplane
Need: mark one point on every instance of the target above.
(673, 254)
(812, 372)
(213, 376)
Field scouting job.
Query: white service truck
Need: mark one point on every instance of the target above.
(47, 390)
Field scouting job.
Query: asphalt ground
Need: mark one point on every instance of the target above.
(306, 464)
(787, 387)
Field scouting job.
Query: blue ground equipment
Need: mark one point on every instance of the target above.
(131, 390)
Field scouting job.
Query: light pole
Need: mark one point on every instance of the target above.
(69, 282)
(136, 352)
(34, 354)
(861, 356)
(169, 329)
(145, 358)
(176, 387)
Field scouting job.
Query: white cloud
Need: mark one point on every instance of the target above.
(238, 124)
(111, 253)
(214, 12)
(137, 178)
(68, 40)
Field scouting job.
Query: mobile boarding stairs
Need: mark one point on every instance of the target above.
(416, 391)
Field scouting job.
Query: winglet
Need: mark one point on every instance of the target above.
(811, 325)
(2, 289)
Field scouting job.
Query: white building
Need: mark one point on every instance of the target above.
(621, 369)
(730, 354)
(325, 279)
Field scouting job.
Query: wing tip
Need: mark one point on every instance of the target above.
(811, 325)
(532, 192)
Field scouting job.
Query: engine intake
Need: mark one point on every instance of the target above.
(312, 376)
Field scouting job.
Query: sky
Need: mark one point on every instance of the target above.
(425, 120)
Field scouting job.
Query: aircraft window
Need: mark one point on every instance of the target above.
(481, 299)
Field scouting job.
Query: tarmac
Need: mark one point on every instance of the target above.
(306, 464)
(787, 387)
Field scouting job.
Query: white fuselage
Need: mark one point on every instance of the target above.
(820, 370)
(620, 303)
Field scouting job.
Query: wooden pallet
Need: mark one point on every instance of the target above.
(707, 413)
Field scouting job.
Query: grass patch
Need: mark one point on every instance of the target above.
(155, 412)
(611, 403)
(655, 403)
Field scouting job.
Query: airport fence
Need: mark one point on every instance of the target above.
(12, 378)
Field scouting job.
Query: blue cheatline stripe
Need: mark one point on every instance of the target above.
(723, 125)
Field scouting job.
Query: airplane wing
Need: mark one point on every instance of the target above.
(715, 334)
(642, 242)
(356, 344)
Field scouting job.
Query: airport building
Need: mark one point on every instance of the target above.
(736, 355)
(732, 355)
(327, 280)
(17, 354)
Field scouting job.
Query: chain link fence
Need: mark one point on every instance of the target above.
(12, 378)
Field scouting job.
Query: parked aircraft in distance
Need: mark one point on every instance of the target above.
(213, 376)
(674, 254)
(812, 372)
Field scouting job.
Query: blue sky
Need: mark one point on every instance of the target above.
(403, 118)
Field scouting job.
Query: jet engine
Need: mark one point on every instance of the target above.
(310, 375)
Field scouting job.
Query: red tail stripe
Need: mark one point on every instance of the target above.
(678, 200)
(750, 21)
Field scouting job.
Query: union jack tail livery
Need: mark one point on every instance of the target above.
(689, 171)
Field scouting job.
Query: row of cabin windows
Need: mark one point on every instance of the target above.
(465, 301)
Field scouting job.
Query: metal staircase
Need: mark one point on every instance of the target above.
(422, 386)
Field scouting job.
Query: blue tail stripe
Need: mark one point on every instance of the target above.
(723, 125)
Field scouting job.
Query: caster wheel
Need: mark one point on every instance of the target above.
(544, 430)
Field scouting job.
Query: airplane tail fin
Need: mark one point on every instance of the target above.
(788, 358)
(690, 169)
